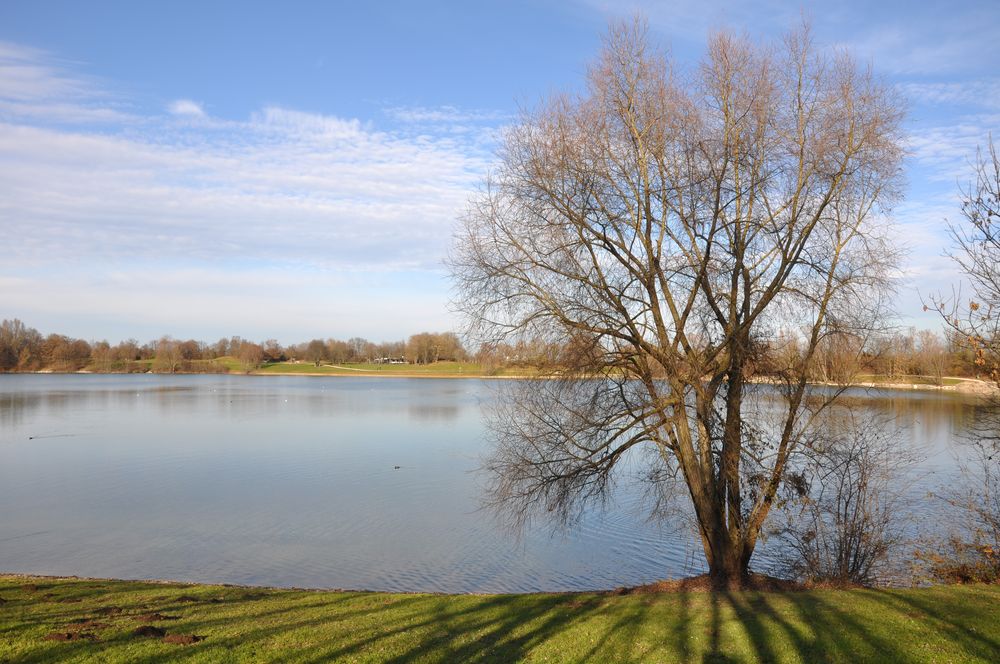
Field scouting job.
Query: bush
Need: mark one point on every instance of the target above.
(971, 554)
(963, 561)
(846, 526)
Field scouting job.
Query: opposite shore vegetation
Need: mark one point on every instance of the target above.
(906, 359)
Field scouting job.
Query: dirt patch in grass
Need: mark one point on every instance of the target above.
(182, 639)
(192, 598)
(71, 636)
(150, 631)
(154, 617)
(109, 611)
(30, 587)
(81, 624)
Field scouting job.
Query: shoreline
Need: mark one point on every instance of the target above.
(697, 583)
(31, 576)
(966, 386)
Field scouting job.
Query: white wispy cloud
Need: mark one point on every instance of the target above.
(186, 107)
(283, 186)
(443, 114)
(29, 74)
(36, 86)
(282, 193)
(900, 37)
(947, 150)
(933, 40)
(982, 93)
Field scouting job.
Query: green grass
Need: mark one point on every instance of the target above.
(943, 624)
(230, 363)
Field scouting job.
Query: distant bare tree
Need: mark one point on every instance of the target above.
(931, 355)
(672, 225)
(422, 348)
(338, 351)
(429, 347)
(250, 355)
(102, 355)
(273, 352)
(126, 352)
(62, 353)
(360, 349)
(316, 352)
(168, 355)
(20, 346)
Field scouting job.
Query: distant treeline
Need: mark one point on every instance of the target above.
(839, 359)
(896, 355)
(24, 348)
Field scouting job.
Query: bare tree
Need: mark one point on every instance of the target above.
(975, 552)
(250, 355)
(672, 224)
(430, 347)
(931, 355)
(977, 253)
(273, 352)
(316, 352)
(168, 355)
(847, 526)
(20, 346)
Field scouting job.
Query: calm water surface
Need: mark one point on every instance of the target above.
(292, 481)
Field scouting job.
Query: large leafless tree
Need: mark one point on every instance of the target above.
(668, 226)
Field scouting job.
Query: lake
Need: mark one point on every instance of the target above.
(340, 482)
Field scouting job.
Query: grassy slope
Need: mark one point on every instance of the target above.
(950, 624)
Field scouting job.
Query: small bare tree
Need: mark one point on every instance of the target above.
(847, 525)
(667, 226)
(976, 324)
(168, 355)
(250, 355)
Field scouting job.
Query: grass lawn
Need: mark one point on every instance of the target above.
(941, 624)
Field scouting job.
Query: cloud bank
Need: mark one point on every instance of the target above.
(113, 197)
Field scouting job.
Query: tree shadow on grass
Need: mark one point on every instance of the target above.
(950, 621)
(683, 626)
(330, 627)
(862, 625)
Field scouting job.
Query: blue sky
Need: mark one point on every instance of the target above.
(294, 170)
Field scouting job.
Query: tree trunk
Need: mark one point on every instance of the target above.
(727, 551)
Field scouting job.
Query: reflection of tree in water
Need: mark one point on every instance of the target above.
(428, 412)
(16, 407)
